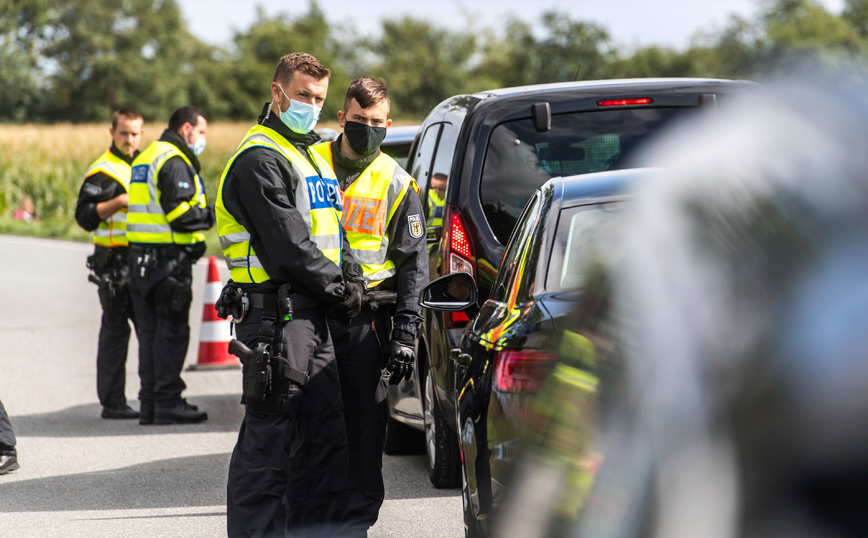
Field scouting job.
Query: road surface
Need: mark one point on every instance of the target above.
(82, 476)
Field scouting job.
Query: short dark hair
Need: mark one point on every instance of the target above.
(185, 114)
(126, 113)
(367, 91)
(299, 61)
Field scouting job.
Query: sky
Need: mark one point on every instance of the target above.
(630, 23)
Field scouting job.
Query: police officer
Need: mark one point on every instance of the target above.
(278, 216)
(166, 218)
(382, 216)
(102, 208)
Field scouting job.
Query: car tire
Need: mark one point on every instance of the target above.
(441, 443)
(402, 439)
(471, 527)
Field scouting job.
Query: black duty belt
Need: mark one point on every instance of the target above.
(268, 301)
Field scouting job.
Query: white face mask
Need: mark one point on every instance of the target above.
(198, 147)
(299, 117)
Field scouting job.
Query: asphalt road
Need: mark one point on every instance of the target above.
(82, 476)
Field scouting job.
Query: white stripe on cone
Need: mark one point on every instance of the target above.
(212, 292)
(215, 331)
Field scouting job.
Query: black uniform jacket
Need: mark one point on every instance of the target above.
(259, 191)
(408, 253)
(98, 188)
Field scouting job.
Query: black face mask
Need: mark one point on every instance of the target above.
(364, 139)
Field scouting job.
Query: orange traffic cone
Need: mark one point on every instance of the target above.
(215, 335)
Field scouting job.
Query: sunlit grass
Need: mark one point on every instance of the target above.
(47, 163)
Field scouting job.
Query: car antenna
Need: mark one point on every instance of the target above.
(578, 70)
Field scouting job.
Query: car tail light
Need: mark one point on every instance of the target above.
(625, 102)
(521, 370)
(459, 256)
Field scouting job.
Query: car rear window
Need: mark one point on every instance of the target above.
(400, 152)
(519, 159)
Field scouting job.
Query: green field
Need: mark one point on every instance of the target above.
(47, 163)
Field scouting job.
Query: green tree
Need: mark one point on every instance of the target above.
(270, 38)
(107, 54)
(421, 64)
(567, 50)
(21, 43)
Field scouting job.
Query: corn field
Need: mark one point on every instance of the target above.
(47, 162)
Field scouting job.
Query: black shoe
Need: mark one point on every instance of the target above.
(194, 407)
(8, 463)
(119, 411)
(179, 414)
(147, 413)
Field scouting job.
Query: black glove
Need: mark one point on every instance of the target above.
(402, 355)
(351, 305)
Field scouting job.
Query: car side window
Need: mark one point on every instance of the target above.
(442, 164)
(422, 161)
(512, 267)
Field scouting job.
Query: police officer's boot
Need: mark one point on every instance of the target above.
(178, 413)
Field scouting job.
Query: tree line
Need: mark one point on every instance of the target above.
(77, 60)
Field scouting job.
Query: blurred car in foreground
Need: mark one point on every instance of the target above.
(715, 385)
(477, 161)
(509, 347)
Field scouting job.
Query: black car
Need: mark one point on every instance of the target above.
(398, 141)
(505, 352)
(477, 160)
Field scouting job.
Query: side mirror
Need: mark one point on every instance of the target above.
(541, 114)
(454, 292)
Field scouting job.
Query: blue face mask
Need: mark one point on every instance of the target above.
(198, 147)
(299, 117)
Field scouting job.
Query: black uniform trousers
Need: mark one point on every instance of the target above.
(7, 436)
(360, 349)
(162, 326)
(114, 333)
(287, 475)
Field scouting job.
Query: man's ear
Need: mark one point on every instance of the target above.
(341, 118)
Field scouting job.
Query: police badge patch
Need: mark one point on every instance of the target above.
(415, 226)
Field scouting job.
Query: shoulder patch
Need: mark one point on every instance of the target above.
(415, 222)
(93, 190)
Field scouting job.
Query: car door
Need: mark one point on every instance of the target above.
(474, 365)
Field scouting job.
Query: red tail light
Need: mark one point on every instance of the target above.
(458, 255)
(624, 102)
(521, 370)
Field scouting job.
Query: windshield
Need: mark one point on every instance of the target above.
(519, 159)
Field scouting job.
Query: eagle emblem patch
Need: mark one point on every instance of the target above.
(415, 226)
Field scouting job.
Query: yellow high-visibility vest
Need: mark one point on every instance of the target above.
(435, 208)
(317, 199)
(146, 220)
(112, 232)
(369, 204)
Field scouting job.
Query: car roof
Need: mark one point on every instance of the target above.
(628, 83)
(401, 134)
(580, 189)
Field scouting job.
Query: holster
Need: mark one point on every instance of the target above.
(180, 293)
(257, 374)
(105, 288)
(283, 388)
(111, 275)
